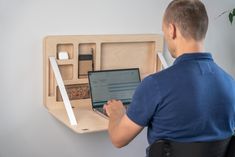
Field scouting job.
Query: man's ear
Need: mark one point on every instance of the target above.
(172, 31)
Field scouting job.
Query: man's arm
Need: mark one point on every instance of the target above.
(121, 129)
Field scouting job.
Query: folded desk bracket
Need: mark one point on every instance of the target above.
(63, 92)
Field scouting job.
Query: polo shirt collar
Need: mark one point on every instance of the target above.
(193, 56)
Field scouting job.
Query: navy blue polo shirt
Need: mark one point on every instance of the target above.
(193, 100)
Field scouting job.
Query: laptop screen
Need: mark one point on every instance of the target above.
(113, 84)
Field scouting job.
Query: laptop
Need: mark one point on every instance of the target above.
(119, 84)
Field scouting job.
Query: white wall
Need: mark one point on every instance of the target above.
(221, 34)
(220, 39)
(26, 129)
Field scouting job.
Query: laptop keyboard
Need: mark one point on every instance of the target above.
(101, 110)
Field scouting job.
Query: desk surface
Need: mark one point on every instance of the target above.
(87, 119)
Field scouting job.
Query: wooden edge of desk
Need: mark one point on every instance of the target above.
(88, 121)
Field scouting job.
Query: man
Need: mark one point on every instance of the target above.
(193, 100)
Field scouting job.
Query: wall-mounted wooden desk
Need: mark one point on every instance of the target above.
(109, 52)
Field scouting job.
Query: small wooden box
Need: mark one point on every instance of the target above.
(108, 52)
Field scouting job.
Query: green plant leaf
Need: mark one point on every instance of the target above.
(230, 17)
(234, 12)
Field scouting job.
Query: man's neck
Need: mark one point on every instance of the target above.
(189, 46)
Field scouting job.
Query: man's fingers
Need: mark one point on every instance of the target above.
(105, 106)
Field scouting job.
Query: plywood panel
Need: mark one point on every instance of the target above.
(109, 52)
(129, 54)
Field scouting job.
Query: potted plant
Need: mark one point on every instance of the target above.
(231, 15)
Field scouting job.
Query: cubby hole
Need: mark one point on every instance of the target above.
(75, 92)
(69, 48)
(66, 71)
(118, 55)
(86, 54)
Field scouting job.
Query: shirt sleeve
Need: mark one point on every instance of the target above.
(144, 102)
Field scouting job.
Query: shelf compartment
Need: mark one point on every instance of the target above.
(66, 71)
(75, 92)
(69, 48)
(86, 53)
(129, 54)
